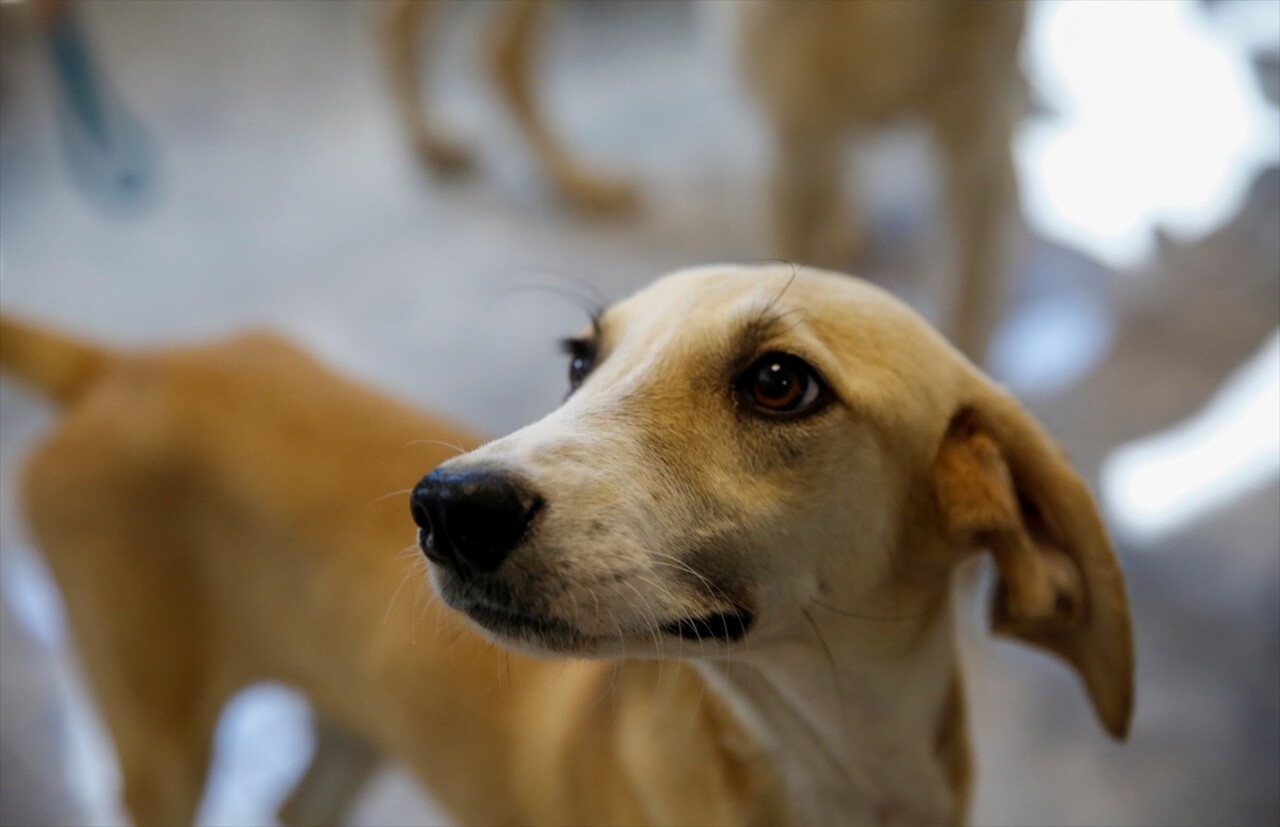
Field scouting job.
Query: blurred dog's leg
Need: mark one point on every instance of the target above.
(404, 31)
(973, 121)
(341, 765)
(981, 196)
(138, 621)
(511, 58)
(812, 224)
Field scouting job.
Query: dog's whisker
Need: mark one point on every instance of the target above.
(645, 610)
(458, 449)
(570, 284)
(425, 605)
(573, 599)
(387, 496)
(613, 676)
(410, 570)
(831, 663)
(668, 594)
(799, 311)
(769, 305)
(409, 556)
(871, 618)
(593, 307)
(386, 615)
(713, 591)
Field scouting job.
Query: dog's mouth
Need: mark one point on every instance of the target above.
(505, 620)
(510, 622)
(723, 626)
(500, 614)
(496, 610)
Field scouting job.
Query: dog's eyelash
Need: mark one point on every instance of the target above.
(584, 347)
(577, 348)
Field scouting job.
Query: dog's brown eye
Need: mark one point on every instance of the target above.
(582, 358)
(779, 383)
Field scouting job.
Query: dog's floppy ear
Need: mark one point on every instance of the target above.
(1003, 485)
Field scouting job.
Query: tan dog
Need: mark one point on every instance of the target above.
(746, 517)
(824, 74)
(827, 73)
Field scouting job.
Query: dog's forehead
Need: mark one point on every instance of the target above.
(842, 310)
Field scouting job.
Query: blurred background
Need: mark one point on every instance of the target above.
(171, 171)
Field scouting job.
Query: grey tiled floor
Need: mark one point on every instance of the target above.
(287, 198)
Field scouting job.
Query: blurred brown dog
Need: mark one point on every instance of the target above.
(745, 518)
(824, 74)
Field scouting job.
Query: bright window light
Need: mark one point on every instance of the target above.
(1156, 121)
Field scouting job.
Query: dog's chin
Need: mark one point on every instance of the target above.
(529, 632)
(509, 624)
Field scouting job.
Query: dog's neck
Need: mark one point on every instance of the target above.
(852, 714)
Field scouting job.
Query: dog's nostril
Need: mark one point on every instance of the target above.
(418, 509)
(482, 526)
(476, 518)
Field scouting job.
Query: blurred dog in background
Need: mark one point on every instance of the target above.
(823, 74)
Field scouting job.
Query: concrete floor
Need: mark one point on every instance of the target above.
(286, 197)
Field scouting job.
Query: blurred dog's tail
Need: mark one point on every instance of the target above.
(59, 366)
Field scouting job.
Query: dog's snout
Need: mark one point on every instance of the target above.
(473, 518)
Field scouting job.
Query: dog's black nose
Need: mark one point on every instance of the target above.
(471, 518)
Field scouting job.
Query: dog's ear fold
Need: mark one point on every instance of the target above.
(1002, 484)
